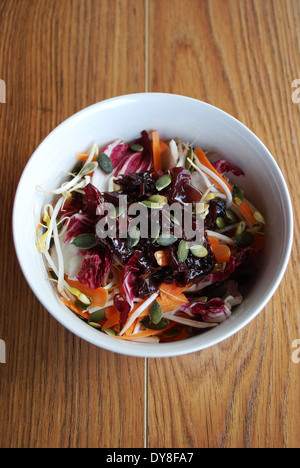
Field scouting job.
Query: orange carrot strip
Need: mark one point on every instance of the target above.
(145, 333)
(156, 151)
(84, 157)
(112, 316)
(244, 207)
(221, 251)
(98, 296)
(75, 309)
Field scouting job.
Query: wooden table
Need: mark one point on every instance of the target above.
(59, 56)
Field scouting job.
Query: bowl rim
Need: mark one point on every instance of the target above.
(160, 350)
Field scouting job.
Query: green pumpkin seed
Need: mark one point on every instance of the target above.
(183, 251)
(152, 205)
(231, 217)
(259, 217)
(241, 228)
(110, 331)
(81, 305)
(116, 212)
(155, 313)
(85, 241)
(190, 156)
(136, 148)
(199, 251)
(165, 241)
(155, 326)
(158, 199)
(88, 169)
(95, 325)
(105, 163)
(134, 236)
(220, 222)
(156, 234)
(175, 220)
(97, 316)
(245, 239)
(163, 182)
(237, 195)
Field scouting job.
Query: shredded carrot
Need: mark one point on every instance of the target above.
(98, 296)
(156, 151)
(244, 207)
(221, 251)
(145, 333)
(112, 318)
(75, 309)
(84, 157)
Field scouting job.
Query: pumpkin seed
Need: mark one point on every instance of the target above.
(105, 163)
(155, 326)
(165, 241)
(158, 199)
(175, 220)
(95, 325)
(190, 156)
(97, 316)
(88, 169)
(231, 217)
(85, 241)
(259, 217)
(116, 212)
(152, 205)
(241, 228)
(134, 236)
(237, 195)
(220, 222)
(110, 331)
(200, 208)
(136, 148)
(155, 313)
(183, 251)
(156, 233)
(81, 305)
(245, 239)
(163, 182)
(199, 251)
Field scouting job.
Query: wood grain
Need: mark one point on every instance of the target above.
(57, 57)
(241, 56)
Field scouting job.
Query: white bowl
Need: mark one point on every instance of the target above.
(172, 115)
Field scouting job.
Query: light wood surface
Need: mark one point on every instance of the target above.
(57, 57)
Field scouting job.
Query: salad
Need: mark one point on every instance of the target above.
(149, 240)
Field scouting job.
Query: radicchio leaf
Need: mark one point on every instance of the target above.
(213, 311)
(95, 269)
(123, 307)
(224, 167)
(247, 258)
(126, 161)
